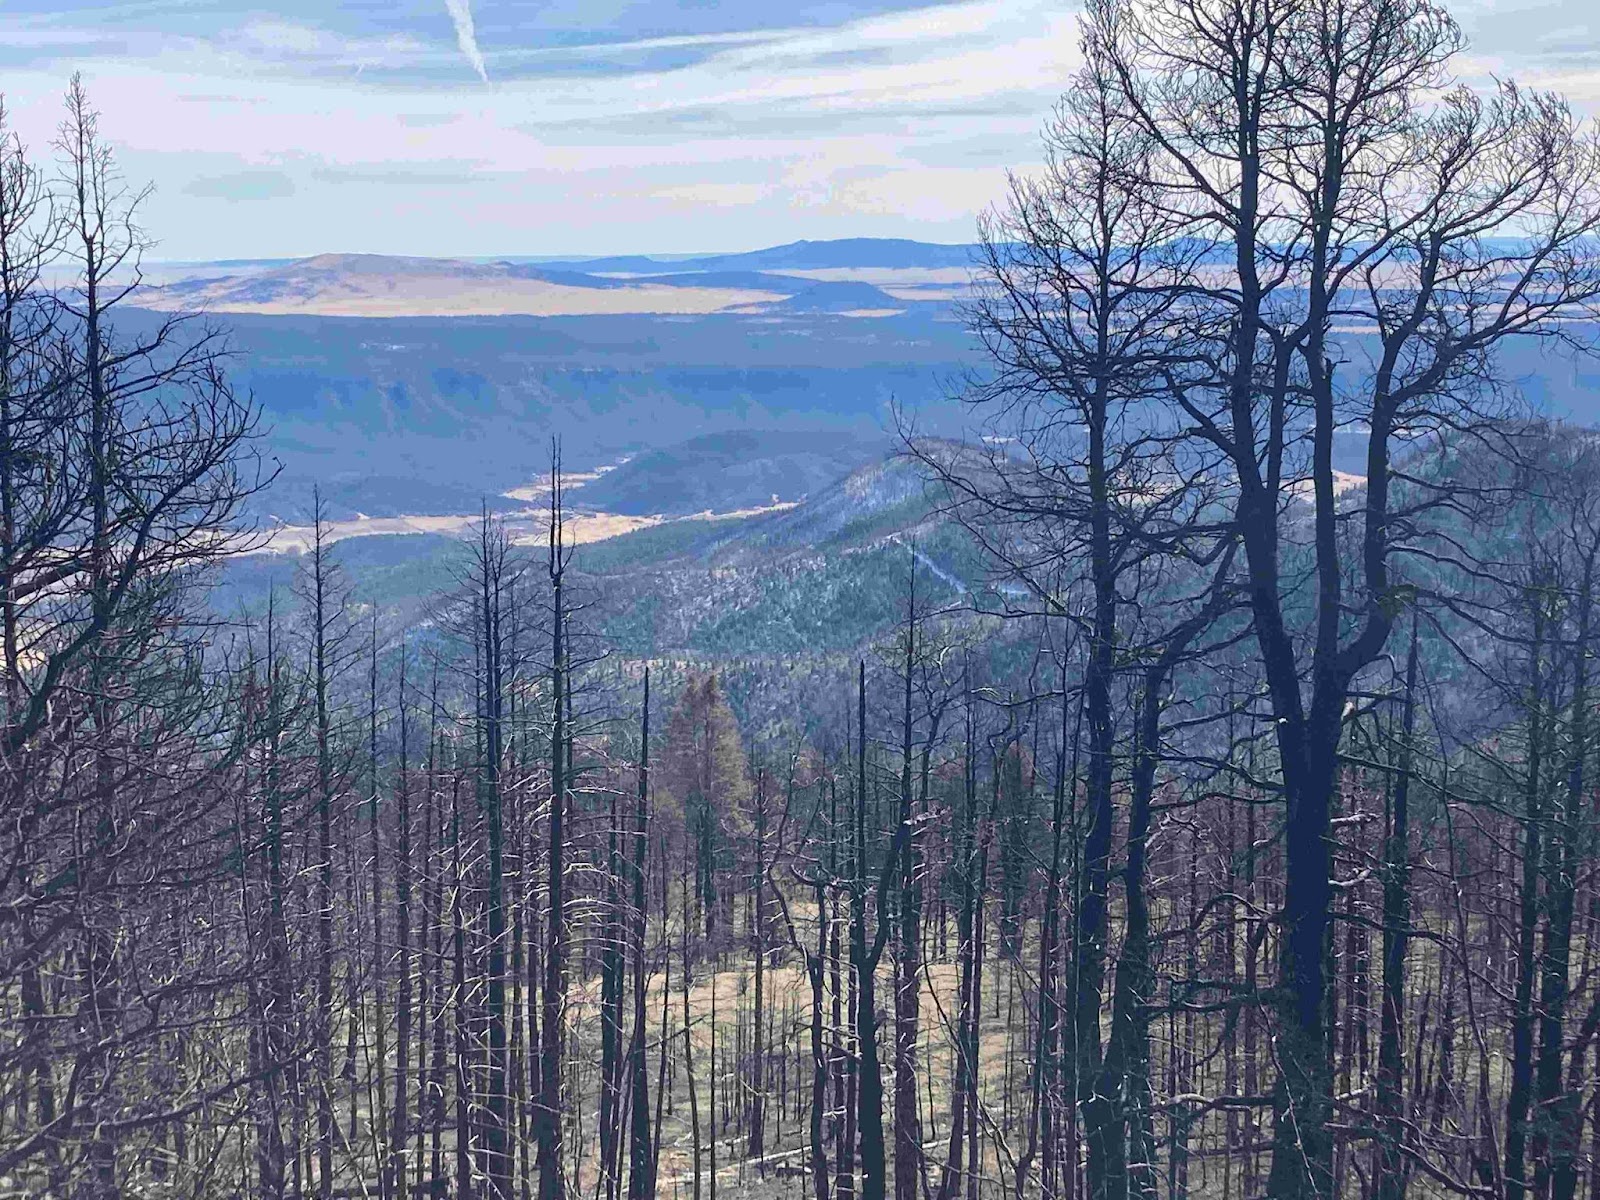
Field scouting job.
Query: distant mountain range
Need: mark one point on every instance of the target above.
(862, 276)
(840, 254)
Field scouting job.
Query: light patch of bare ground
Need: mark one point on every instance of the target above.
(526, 527)
(781, 1171)
(540, 488)
(1343, 481)
(297, 539)
(583, 528)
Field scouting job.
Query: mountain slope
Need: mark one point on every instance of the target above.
(723, 472)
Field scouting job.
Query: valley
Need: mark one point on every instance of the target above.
(728, 472)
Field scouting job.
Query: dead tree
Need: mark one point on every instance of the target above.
(549, 1112)
(1313, 150)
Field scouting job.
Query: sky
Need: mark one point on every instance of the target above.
(557, 127)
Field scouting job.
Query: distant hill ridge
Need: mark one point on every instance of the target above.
(837, 254)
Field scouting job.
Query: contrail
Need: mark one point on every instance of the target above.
(466, 37)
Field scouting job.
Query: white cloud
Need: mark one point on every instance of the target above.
(466, 36)
(781, 133)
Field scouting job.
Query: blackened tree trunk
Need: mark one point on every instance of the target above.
(1041, 1102)
(1393, 1168)
(821, 1056)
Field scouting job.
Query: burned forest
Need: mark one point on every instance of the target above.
(1225, 823)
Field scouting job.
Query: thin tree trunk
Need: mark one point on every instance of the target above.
(641, 1153)
(400, 1131)
(1520, 1093)
(552, 1181)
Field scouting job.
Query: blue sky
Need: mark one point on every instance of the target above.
(479, 127)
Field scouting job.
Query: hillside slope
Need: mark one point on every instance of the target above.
(723, 472)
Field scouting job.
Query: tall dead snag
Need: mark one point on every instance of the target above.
(755, 1114)
(278, 1017)
(493, 580)
(396, 1176)
(1320, 149)
(1125, 1070)
(816, 968)
(865, 955)
(926, 694)
(641, 1154)
(842, 980)
(1540, 604)
(964, 1086)
(101, 972)
(377, 1090)
(864, 963)
(323, 590)
(548, 1114)
(688, 1026)
(611, 987)
(461, 1005)
(908, 938)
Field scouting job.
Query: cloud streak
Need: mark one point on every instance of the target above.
(466, 35)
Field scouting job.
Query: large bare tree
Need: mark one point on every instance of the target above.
(1375, 234)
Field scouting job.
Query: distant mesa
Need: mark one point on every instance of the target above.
(370, 285)
(841, 296)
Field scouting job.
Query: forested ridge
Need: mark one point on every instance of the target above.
(1239, 839)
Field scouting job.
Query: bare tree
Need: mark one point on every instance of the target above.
(1337, 179)
(127, 464)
